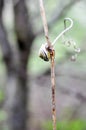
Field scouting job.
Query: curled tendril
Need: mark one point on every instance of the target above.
(65, 30)
(43, 52)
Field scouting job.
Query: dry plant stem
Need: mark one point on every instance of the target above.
(43, 15)
(52, 53)
(53, 89)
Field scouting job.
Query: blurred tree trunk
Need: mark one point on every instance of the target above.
(16, 64)
(25, 37)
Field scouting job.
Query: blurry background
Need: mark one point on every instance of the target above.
(25, 88)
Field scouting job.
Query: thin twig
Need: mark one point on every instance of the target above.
(52, 56)
(43, 15)
(53, 89)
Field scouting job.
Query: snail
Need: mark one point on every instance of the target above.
(44, 53)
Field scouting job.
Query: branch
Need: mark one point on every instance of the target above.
(45, 51)
(53, 89)
(42, 10)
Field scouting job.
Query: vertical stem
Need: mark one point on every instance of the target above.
(53, 90)
(52, 53)
(43, 15)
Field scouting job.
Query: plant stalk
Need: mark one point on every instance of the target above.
(53, 89)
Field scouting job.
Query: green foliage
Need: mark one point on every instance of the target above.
(64, 125)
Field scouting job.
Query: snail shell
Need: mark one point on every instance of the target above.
(43, 53)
